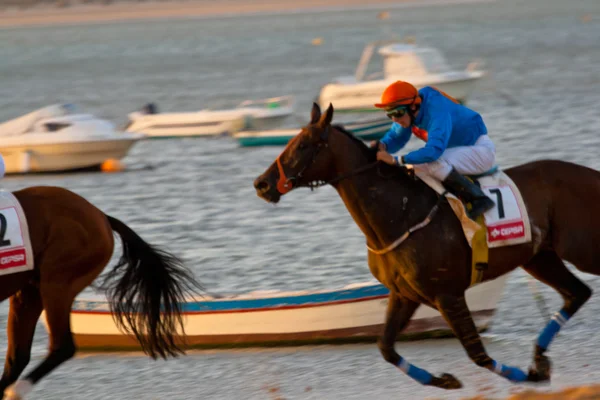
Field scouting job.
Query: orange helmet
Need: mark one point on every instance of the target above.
(399, 93)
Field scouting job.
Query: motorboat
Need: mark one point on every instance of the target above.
(421, 66)
(354, 313)
(249, 114)
(59, 138)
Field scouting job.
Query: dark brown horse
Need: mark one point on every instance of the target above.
(433, 265)
(72, 243)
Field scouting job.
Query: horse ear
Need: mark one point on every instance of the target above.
(315, 114)
(327, 117)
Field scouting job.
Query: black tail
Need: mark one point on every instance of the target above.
(145, 291)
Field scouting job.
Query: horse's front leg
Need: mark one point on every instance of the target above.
(399, 312)
(457, 314)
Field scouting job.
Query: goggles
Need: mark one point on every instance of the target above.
(397, 112)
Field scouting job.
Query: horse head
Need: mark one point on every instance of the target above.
(306, 161)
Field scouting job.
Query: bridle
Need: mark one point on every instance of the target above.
(285, 184)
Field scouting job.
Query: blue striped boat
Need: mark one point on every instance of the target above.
(354, 313)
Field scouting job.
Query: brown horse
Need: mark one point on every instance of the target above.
(72, 243)
(433, 265)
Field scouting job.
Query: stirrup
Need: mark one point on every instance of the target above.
(486, 204)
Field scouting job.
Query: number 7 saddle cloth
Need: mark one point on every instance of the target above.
(506, 224)
(16, 254)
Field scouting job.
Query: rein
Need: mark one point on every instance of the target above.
(410, 230)
(285, 184)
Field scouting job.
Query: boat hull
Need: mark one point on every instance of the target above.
(248, 115)
(64, 156)
(347, 315)
(362, 96)
(163, 128)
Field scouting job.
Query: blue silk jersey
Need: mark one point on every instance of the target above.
(441, 123)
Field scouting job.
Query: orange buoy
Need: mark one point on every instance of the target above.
(112, 165)
(383, 15)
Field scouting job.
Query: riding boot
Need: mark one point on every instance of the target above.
(468, 192)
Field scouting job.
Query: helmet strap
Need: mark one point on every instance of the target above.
(411, 113)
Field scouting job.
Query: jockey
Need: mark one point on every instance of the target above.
(456, 140)
(2, 167)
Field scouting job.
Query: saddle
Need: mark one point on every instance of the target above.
(506, 224)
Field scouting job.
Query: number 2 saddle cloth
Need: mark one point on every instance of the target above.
(16, 254)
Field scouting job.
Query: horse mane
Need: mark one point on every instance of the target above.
(370, 153)
(390, 171)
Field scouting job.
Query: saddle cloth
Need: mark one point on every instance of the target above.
(507, 223)
(16, 254)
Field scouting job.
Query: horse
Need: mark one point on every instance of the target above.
(72, 242)
(432, 265)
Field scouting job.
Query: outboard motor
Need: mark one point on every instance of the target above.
(150, 109)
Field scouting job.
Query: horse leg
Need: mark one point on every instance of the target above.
(547, 267)
(399, 312)
(25, 310)
(57, 300)
(457, 315)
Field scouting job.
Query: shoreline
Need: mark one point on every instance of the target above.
(197, 9)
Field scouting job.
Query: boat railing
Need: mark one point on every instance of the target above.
(374, 76)
(367, 53)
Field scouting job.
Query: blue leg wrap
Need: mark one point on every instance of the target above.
(513, 374)
(550, 331)
(418, 374)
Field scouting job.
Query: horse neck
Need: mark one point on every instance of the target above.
(367, 195)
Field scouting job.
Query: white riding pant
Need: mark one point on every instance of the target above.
(2, 167)
(467, 160)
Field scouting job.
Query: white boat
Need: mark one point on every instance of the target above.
(365, 129)
(57, 138)
(421, 66)
(250, 114)
(355, 313)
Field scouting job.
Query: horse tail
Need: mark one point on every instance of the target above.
(146, 290)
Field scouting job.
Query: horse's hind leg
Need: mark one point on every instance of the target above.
(25, 310)
(550, 269)
(456, 313)
(399, 312)
(57, 300)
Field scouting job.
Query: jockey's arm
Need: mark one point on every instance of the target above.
(439, 130)
(396, 138)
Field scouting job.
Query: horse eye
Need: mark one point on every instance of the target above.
(301, 146)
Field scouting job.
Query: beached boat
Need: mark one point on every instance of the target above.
(370, 129)
(355, 313)
(250, 114)
(422, 66)
(58, 138)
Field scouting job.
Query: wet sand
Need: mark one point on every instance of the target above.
(84, 14)
(572, 393)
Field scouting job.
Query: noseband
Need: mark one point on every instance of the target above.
(285, 184)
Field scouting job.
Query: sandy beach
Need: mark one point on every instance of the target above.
(84, 14)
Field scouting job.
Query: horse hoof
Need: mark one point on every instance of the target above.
(541, 371)
(18, 390)
(446, 381)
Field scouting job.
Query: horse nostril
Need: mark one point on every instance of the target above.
(261, 185)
